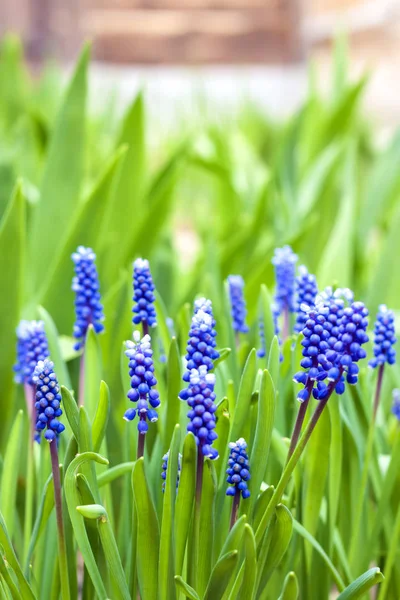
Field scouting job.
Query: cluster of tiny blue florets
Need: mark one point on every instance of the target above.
(238, 304)
(165, 459)
(284, 260)
(201, 347)
(261, 332)
(200, 397)
(238, 469)
(333, 337)
(143, 294)
(32, 347)
(85, 284)
(384, 338)
(141, 371)
(306, 292)
(48, 399)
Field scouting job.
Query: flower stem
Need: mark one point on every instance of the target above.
(145, 326)
(235, 508)
(140, 445)
(300, 420)
(196, 522)
(353, 553)
(62, 549)
(286, 319)
(82, 380)
(391, 557)
(237, 340)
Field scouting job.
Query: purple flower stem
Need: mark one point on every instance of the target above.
(237, 340)
(235, 508)
(286, 322)
(82, 380)
(300, 420)
(145, 326)
(140, 445)
(62, 549)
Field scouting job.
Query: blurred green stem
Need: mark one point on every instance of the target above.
(62, 548)
(391, 557)
(82, 380)
(197, 512)
(354, 545)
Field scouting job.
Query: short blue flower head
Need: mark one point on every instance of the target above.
(284, 260)
(48, 400)
(238, 469)
(31, 348)
(141, 371)
(85, 284)
(201, 345)
(306, 293)
(238, 304)
(384, 338)
(165, 468)
(334, 333)
(143, 294)
(200, 396)
(396, 404)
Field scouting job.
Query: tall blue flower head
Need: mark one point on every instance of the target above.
(396, 404)
(48, 400)
(384, 338)
(201, 347)
(143, 294)
(334, 334)
(306, 293)
(200, 397)
(31, 348)
(141, 371)
(238, 469)
(165, 459)
(238, 304)
(85, 284)
(284, 261)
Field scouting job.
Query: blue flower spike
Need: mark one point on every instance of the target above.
(396, 404)
(201, 347)
(85, 284)
(384, 338)
(238, 469)
(200, 397)
(238, 304)
(284, 261)
(48, 400)
(261, 352)
(306, 293)
(143, 381)
(165, 459)
(143, 295)
(32, 347)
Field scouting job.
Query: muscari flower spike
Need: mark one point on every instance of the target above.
(334, 333)
(261, 332)
(48, 400)
(238, 304)
(306, 293)
(238, 469)
(141, 371)
(284, 261)
(32, 347)
(85, 284)
(143, 294)
(165, 459)
(201, 345)
(396, 404)
(200, 396)
(384, 338)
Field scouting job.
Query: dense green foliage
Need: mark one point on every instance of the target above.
(215, 200)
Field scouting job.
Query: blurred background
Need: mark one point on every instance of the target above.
(226, 49)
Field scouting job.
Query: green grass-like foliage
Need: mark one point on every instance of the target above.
(201, 204)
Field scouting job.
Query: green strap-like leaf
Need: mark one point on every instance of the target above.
(280, 537)
(8, 550)
(362, 584)
(207, 524)
(186, 588)
(101, 417)
(71, 410)
(10, 473)
(244, 396)
(174, 385)
(221, 575)
(185, 499)
(290, 589)
(248, 588)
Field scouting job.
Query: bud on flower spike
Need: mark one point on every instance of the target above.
(284, 260)
(143, 295)
(48, 399)
(85, 284)
(384, 338)
(32, 347)
(165, 468)
(238, 469)
(238, 304)
(201, 345)
(141, 371)
(306, 292)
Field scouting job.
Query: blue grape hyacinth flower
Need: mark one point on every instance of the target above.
(200, 397)
(284, 261)
(165, 460)
(306, 293)
(238, 304)
(141, 371)
(334, 334)
(32, 347)
(384, 338)
(201, 347)
(85, 284)
(238, 469)
(396, 404)
(48, 400)
(143, 295)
